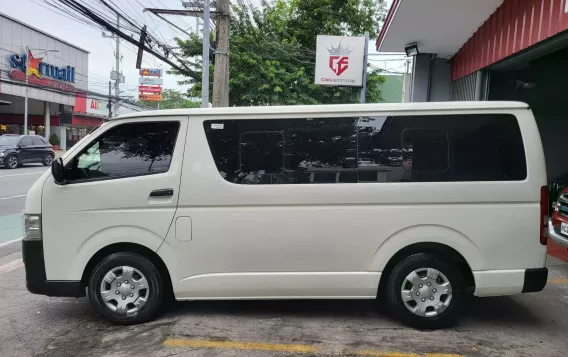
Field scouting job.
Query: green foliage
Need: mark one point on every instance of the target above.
(173, 99)
(272, 51)
(54, 139)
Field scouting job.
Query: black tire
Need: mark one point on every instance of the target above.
(47, 160)
(446, 318)
(9, 161)
(156, 291)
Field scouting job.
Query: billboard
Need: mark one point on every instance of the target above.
(97, 106)
(150, 97)
(151, 81)
(151, 72)
(339, 60)
(150, 89)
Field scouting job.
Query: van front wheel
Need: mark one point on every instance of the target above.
(426, 292)
(126, 288)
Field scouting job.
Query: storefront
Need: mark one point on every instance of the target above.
(57, 72)
(489, 50)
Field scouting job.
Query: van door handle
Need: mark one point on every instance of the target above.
(165, 192)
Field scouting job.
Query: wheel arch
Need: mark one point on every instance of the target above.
(428, 238)
(432, 248)
(129, 248)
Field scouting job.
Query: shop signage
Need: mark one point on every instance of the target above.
(43, 82)
(150, 89)
(97, 106)
(339, 60)
(152, 81)
(150, 97)
(151, 72)
(42, 70)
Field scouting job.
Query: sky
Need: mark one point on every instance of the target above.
(101, 58)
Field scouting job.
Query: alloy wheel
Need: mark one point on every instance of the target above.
(124, 290)
(426, 292)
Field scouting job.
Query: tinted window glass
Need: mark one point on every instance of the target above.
(127, 150)
(370, 149)
(37, 141)
(26, 142)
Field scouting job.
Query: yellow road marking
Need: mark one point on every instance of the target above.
(235, 345)
(557, 281)
(385, 354)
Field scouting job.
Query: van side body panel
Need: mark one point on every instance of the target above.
(312, 241)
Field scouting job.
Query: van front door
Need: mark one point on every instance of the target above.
(121, 187)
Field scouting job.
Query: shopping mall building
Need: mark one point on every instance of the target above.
(489, 50)
(58, 83)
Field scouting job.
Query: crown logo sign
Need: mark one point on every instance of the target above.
(339, 50)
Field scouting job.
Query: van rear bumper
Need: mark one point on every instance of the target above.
(535, 280)
(509, 282)
(36, 282)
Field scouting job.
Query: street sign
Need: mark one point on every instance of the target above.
(339, 61)
(149, 89)
(152, 81)
(151, 72)
(150, 97)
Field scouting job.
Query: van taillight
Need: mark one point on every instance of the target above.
(543, 214)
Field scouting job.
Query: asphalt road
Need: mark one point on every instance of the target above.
(519, 326)
(14, 185)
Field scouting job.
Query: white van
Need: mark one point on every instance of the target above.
(416, 203)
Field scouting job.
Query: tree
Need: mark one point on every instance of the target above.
(272, 51)
(173, 99)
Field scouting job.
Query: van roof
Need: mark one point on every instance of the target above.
(331, 108)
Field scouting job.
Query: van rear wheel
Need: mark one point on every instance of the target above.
(126, 288)
(426, 292)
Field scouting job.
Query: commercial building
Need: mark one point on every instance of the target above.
(489, 50)
(58, 83)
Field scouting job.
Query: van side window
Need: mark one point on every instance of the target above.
(421, 148)
(126, 150)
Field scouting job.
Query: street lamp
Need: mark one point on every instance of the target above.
(28, 49)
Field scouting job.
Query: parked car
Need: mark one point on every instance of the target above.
(148, 206)
(558, 223)
(16, 150)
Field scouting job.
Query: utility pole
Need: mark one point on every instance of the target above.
(365, 63)
(118, 78)
(205, 76)
(117, 82)
(221, 74)
(204, 10)
(109, 99)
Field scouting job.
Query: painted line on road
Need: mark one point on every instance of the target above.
(11, 266)
(27, 173)
(557, 281)
(10, 197)
(236, 345)
(402, 354)
(290, 348)
(11, 241)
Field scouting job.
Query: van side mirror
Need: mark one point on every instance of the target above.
(58, 172)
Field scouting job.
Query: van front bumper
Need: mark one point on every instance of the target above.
(36, 282)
